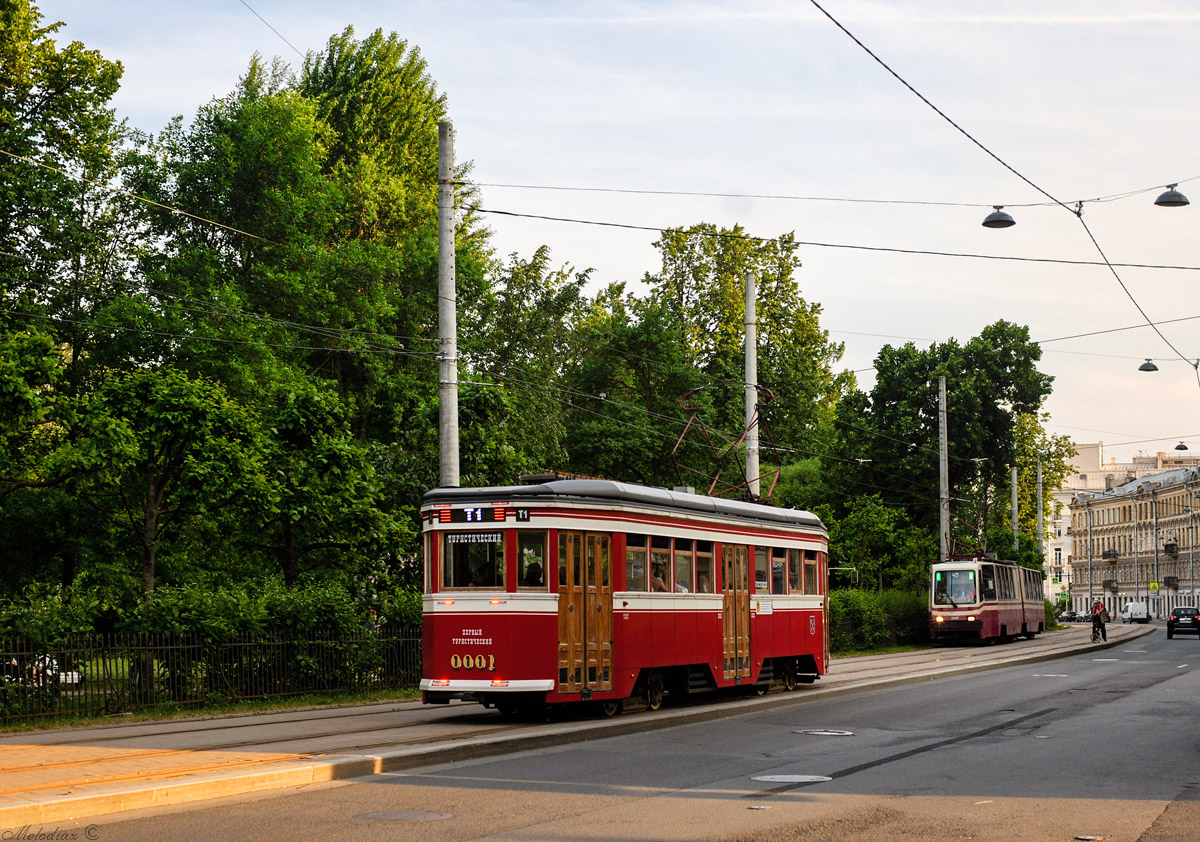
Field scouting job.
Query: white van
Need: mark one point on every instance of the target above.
(1135, 612)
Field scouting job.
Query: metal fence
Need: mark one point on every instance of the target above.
(117, 673)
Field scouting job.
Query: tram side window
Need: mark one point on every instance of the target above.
(987, 581)
(811, 585)
(704, 567)
(683, 565)
(762, 580)
(635, 562)
(778, 570)
(795, 571)
(473, 560)
(1006, 583)
(660, 563)
(531, 560)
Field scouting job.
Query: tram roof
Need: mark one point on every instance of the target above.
(608, 492)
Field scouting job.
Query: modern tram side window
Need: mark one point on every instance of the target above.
(987, 581)
(683, 565)
(473, 560)
(1005, 575)
(660, 563)
(704, 567)
(531, 560)
(778, 570)
(635, 562)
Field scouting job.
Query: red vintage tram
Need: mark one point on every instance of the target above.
(649, 592)
(975, 598)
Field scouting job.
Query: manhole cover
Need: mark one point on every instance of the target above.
(791, 779)
(405, 816)
(758, 807)
(825, 732)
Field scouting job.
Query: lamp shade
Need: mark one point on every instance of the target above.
(1181, 446)
(999, 219)
(1172, 198)
(1147, 366)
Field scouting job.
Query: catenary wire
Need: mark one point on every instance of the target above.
(1077, 210)
(815, 244)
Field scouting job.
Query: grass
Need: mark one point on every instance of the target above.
(880, 650)
(233, 708)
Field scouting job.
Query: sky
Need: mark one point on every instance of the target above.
(783, 124)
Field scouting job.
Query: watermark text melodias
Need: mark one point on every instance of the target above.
(41, 833)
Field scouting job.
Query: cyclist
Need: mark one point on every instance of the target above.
(1099, 617)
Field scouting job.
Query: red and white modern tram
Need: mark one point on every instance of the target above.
(976, 598)
(649, 591)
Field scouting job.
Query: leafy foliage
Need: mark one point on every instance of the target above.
(219, 409)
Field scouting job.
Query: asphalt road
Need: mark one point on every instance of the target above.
(1101, 745)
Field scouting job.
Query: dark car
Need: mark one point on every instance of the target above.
(1183, 621)
(1067, 617)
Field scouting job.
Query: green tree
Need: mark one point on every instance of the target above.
(990, 381)
(179, 448)
(325, 495)
(624, 417)
(522, 335)
(702, 281)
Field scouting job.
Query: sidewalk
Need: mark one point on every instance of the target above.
(61, 775)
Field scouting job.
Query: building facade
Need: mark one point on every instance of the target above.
(1134, 541)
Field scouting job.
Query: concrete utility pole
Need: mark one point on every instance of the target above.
(1041, 525)
(943, 475)
(1016, 537)
(752, 468)
(447, 313)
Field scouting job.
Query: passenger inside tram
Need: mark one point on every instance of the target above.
(533, 575)
(702, 585)
(658, 583)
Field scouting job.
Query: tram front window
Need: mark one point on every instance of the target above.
(954, 587)
(474, 560)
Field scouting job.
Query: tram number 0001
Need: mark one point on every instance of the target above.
(473, 662)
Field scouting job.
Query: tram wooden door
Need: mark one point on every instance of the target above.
(735, 588)
(585, 624)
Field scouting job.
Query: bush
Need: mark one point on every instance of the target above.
(47, 616)
(861, 620)
(856, 620)
(908, 614)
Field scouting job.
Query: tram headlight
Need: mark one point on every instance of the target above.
(971, 619)
(939, 619)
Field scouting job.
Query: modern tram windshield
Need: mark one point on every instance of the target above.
(954, 587)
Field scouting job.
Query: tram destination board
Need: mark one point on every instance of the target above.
(481, 514)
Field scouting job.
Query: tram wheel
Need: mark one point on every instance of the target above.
(506, 708)
(654, 690)
(789, 679)
(612, 707)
